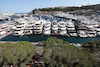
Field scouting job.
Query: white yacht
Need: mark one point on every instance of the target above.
(38, 27)
(54, 28)
(90, 31)
(29, 27)
(47, 28)
(71, 29)
(98, 33)
(5, 29)
(95, 25)
(62, 28)
(97, 29)
(2, 30)
(81, 30)
(19, 31)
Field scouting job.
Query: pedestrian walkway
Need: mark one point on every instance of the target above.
(39, 50)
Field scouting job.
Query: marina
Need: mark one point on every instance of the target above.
(38, 28)
(49, 33)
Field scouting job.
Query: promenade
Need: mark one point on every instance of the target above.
(38, 44)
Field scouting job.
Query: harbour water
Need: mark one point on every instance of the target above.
(36, 38)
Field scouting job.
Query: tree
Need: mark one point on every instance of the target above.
(16, 53)
(59, 53)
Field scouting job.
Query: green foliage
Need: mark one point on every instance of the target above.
(58, 53)
(93, 47)
(60, 9)
(22, 65)
(16, 53)
(65, 9)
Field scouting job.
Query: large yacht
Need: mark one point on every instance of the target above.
(71, 28)
(81, 30)
(38, 27)
(3, 30)
(29, 27)
(97, 29)
(47, 28)
(30, 23)
(90, 31)
(54, 28)
(62, 28)
(19, 31)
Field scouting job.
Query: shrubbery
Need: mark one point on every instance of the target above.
(58, 53)
(16, 53)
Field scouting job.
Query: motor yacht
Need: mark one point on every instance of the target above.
(81, 30)
(97, 29)
(38, 27)
(29, 27)
(55, 28)
(47, 28)
(2, 30)
(5, 29)
(62, 28)
(90, 31)
(20, 27)
(71, 28)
